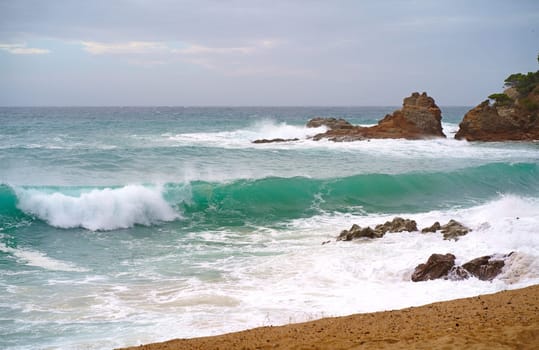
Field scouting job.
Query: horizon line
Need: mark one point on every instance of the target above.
(211, 106)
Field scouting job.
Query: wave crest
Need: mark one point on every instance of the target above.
(99, 209)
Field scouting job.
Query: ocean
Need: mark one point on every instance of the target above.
(128, 225)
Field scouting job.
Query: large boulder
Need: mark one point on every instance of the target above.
(418, 118)
(486, 267)
(437, 266)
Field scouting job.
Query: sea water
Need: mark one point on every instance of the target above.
(121, 226)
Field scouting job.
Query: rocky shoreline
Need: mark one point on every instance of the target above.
(438, 266)
(512, 116)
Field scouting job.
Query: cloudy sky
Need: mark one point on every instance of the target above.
(295, 52)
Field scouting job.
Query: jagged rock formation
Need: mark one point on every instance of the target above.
(396, 225)
(418, 118)
(435, 227)
(485, 268)
(437, 266)
(452, 230)
(513, 116)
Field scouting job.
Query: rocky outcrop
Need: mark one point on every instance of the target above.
(418, 118)
(357, 231)
(437, 266)
(435, 227)
(512, 117)
(396, 225)
(330, 123)
(452, 230)
(485, 268)
(274, 140)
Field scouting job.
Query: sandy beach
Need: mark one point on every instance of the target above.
(504, 320)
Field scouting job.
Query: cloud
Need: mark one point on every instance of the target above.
(251, 59)
(242, 50)
(21, 49)
(131, 47)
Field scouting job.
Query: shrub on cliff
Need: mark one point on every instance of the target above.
(501, 99)
(524, 83)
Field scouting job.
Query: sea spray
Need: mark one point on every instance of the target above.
(98, 209)
(264, 201)
(219, 234)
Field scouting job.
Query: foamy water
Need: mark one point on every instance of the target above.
(127, 226)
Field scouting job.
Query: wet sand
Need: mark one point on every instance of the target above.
(505, 320)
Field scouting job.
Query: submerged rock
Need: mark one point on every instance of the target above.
(358, 232)
(396, 225)
(454, 229)
(485, 268)
(435, 227)
(274, 140)
(437, 266)
(330, 123)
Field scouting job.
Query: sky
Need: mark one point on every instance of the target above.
(261, 53)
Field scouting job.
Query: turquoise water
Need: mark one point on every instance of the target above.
(121, 226)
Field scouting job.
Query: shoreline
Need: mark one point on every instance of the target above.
(503, 320)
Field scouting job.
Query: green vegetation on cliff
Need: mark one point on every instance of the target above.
(521, 90)
(501, 99)
(523, 83)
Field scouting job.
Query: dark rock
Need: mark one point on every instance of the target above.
(487, 267)
(358, 232)
(454, 229)
(435, 227)
(457, 273)
(437, 266)
(418, 118)
(274, 140)
(330, 123)
(396, 225)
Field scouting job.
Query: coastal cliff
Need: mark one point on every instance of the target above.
(512, 116)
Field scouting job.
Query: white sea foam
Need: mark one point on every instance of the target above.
(38, 259)
(99, 209)
(278, 275)
(241, 138)
(398, 148)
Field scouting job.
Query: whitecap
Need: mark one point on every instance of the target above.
(98, 209)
